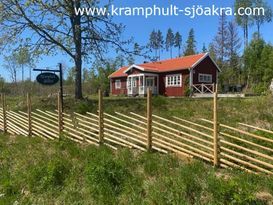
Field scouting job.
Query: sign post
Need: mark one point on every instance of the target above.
(48, 77)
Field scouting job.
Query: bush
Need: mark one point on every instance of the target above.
(188, 92)
(260, 89)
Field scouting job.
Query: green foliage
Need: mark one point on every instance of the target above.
(170, 40)
(178, 42)
(258, 63)
(190, 44)
(260, 88)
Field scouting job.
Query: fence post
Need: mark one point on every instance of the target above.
(60, 114)
(3, 96)
(215, 126)
(100, 117)
(29, 115)
(149, 120)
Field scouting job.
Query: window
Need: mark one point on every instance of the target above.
(205, 78)
(174, 80)
(129, 83)
(117, 84)
(150, 81)
(134, 82)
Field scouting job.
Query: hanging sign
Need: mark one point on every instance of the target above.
(47, 78)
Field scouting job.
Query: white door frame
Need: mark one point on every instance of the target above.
(142, 89)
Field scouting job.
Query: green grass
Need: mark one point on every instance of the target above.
(253, 110)
(34, 171)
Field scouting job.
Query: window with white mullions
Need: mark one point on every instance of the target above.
(117, 84)
(205, 78)
(174, 80)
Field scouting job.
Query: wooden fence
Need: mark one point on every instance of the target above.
(219, 144)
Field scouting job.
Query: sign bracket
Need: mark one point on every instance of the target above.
(60, 71)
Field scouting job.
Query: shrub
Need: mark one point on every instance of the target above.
(188, 92)
(260, 88)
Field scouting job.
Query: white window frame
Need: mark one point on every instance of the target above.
(150, 78)
(204, 78)
(117, 84)
(134, 82)
(174, 80)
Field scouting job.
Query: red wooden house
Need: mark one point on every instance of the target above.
(168, 77)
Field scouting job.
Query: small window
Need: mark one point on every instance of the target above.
(117, 84)
(174, 80)
(205, 78)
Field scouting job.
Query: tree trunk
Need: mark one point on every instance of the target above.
(30, 74)
(22, 73)
(258, 28)
(78, 77)
(78, 54)
(246, 35)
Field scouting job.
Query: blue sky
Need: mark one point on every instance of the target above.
(139, 27)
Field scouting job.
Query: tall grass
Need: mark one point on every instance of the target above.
(34, 171)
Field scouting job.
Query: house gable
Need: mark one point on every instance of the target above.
(207, 67)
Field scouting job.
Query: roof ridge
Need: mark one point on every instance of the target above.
(169, 59)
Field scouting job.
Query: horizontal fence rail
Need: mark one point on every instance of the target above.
(244, 147)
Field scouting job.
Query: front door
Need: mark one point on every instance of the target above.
(132, 86)
(150, 83)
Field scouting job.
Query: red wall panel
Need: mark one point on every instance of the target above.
(205, 67)
(122, 90)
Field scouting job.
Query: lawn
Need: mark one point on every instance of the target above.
(34, 171)
(252, 110)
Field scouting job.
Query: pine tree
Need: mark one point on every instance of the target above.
(244, 20)
(261, 19)
(233, 44)
(233, 47)
(137, 49)
(220, 41)
(153, 42)
(170, 41)
(252, 56)
(178, 42)
(204, 49)
(160, 42)
(212, 51)
(190, 44)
